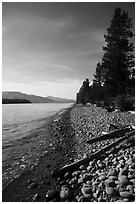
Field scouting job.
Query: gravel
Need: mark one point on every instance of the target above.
(109, 178)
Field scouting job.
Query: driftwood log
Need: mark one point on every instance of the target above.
(76, 164)
(111, 135)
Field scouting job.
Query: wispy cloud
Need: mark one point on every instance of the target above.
(58, 24)
(52, 24)
(96, 35)
(65, 67)
(47, 63)
(32, 22)
(30, 69)
(89, 52)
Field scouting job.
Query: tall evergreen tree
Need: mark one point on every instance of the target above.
(98, 76)
(118, 60)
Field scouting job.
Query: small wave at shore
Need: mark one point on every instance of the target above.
(24, 149)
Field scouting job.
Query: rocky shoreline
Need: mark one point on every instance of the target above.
(111, 177)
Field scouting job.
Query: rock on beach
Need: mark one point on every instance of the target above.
(101, 179)
(107, 178)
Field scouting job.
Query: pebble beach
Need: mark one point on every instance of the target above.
(107, 178)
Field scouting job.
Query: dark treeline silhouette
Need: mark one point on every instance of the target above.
(83, 92)
(114, 78)
(9, 101)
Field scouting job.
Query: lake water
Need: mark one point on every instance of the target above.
(24, 136)
(18, 120)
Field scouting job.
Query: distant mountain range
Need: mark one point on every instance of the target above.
(35, 98)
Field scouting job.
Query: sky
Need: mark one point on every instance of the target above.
(49, 48)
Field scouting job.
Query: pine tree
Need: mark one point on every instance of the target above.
(118, 60)
(98, 75)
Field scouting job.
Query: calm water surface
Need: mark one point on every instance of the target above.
(18, 120)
